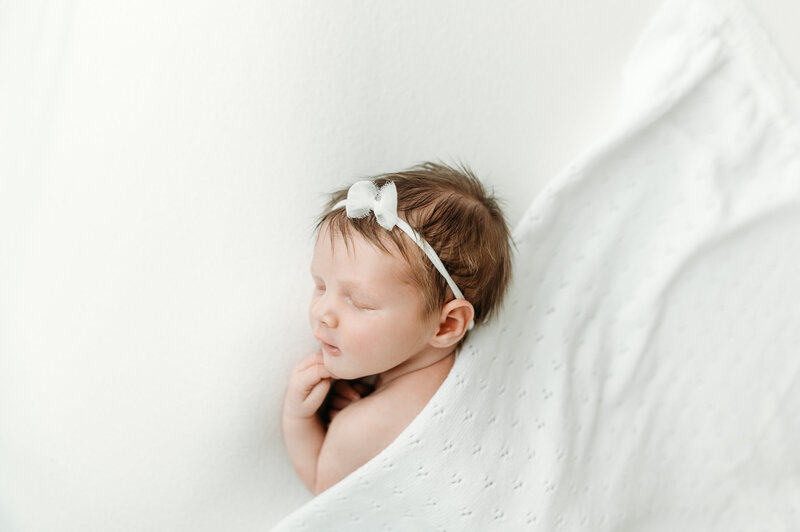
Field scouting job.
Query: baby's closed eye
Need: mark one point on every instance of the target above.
(359, 305)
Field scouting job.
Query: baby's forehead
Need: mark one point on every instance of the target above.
(387, 263)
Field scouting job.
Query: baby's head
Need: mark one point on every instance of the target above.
(464, 225)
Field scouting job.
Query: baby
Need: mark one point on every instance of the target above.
(404, 265)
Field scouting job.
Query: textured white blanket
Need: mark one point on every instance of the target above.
(645, 374)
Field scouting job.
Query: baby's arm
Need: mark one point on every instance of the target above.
(355, 437)
(303, 430)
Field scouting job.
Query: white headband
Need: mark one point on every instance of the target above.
(364, 196)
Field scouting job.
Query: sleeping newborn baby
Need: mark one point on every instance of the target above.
(404, 265)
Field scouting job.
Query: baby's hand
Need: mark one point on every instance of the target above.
(308, 385)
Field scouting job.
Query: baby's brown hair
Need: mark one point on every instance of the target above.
(452, 211)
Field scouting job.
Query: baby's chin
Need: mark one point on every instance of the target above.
(339, 373)
(335, 373)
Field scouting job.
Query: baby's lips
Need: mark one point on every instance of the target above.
(332, 349)
(323, 342)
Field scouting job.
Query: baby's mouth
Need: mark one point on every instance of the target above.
(330, 349)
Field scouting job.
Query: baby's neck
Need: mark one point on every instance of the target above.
(400, 374)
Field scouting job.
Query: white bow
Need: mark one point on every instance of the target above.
(364, 196)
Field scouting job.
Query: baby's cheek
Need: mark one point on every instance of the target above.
(357, 335)
(365, 344)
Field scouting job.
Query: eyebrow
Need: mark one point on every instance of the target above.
(354, 284)
(346, 283)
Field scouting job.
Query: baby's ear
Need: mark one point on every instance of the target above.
(453, 322)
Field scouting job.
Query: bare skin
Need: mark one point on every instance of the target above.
(367, 321)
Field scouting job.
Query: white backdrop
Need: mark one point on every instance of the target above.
(160, 169)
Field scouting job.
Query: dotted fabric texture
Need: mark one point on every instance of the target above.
(644, 373)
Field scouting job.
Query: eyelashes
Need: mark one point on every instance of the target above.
(359, 307)
(355, 304)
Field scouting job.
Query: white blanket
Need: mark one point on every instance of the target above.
(644, 375)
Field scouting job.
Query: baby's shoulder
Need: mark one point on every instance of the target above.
(356, 435)
(364, 428)
(377, 411)
(388, 411)
(378, 418)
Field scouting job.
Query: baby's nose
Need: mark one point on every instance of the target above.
(322, 312)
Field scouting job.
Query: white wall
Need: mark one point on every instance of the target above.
(160, 168)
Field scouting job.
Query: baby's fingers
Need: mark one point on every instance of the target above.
(339, 402)
(344, 389)
(309, 361)
(361, 388)
(317, 395)
(309, 377)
